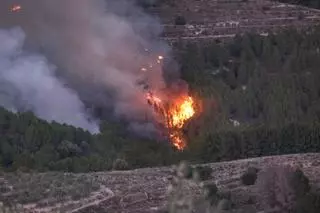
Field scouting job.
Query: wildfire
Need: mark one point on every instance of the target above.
(16, 8)
(182, 111)
(160, 58)
(174, 113)
(172, 108)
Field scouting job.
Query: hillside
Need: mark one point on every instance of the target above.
(142, 190)
(260, 96)
(219, 19)
(308, 3)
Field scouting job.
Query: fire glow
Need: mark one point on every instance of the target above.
(174, 114)
(16, 8)
(172, 107)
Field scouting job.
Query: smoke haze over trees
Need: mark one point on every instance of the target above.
(98, 49)
(71, 92)
(28, 83)
(308, 3)
(267, 84)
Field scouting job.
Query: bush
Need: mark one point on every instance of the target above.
(281, 187)
(309, 203)
(265, 8)
(180, 20)
(188, 193)
(184, 170)
(120, 164)
(250, 176)
(211, 192)
(11, 209)
(301, 16)
(204, 172)
(301, 182)
(145, 4)
(224, 204)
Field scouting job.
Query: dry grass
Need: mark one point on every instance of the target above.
(142, 190)
(213, 19)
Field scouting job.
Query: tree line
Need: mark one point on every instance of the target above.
(28, 143)
(256, 141)
(253, 79)
(260, 96)
(307, 3)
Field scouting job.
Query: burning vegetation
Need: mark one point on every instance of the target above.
(172, 108)
(173, 114)
(15, 8)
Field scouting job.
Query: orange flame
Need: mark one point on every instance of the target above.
(182, 111)
(174, 113)
(15, 8)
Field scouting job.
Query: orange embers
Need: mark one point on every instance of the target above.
(15, 8)
(174, 113)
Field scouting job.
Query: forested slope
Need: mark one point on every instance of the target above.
(207, 20)
(260, 96)
(308, 3)
(30, 143)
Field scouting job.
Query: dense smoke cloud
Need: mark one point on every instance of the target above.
(27, 82)
(96, 45)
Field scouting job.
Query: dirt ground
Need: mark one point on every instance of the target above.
(135, 191)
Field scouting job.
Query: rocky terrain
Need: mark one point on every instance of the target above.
(142, 190)
(220, 19)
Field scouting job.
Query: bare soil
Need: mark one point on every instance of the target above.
(135, 191)
(222, 19)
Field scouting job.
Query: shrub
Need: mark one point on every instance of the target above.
(281, 187)
(211, 193)
(204, 172)
(265, 8)
(250, 176)
(145, 4)
(188, 193)
(309, 203)
(224, 204)
(11, 209)
(301, 16)
(120, 164)
(180, 20)
(184, 170)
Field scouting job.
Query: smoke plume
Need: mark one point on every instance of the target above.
(27, 82)
(96, 46)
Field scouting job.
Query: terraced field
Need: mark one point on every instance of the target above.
(219, 19)
(144, 190)
(136, 191)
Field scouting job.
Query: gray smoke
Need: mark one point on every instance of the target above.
(27, 82)
(94, 44)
